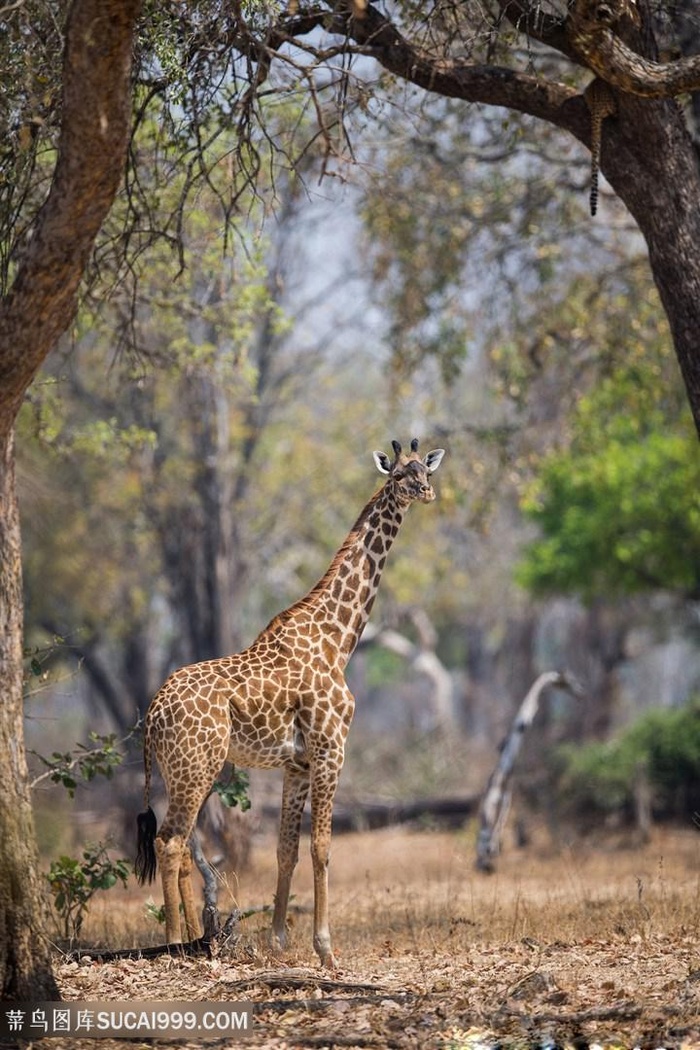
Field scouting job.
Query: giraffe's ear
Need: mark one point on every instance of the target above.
(433, 460)
(383, 462)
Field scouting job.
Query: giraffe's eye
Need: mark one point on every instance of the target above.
(399, 475)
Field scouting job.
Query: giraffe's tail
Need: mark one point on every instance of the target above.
(145, 863)
(146, 824)
(596, 129)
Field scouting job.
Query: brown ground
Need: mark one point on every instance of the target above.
(567, 948)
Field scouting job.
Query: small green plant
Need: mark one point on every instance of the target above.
(234, 790)
(74, 882)
(156, 912)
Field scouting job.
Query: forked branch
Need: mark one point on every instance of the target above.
(594, 34)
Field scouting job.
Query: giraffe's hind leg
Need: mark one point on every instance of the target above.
(190, 734)
(189, 906)
(175, 863)
(174, 875)
(187, 793)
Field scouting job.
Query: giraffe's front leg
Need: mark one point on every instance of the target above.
(294, 792)
(323, 789)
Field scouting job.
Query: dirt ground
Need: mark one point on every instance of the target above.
(569, 948)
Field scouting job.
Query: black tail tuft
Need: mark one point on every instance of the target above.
(145, 863)
(594, 195)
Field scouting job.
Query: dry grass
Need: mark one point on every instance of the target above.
(570, 947)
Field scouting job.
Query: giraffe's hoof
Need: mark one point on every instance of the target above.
(278, 941)
(328, 961)
(322, 944)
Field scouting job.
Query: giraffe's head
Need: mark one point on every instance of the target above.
(409, 474)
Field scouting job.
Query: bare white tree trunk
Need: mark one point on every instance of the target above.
(496, 800)
(423, 659)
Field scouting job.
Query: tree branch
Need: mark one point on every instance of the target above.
(424, 660)
(496, 800)
(531, 20)
(613, 61)
(379, 38)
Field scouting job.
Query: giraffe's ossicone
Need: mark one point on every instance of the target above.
(282, 702)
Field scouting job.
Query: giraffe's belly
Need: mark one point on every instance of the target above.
(266, 747)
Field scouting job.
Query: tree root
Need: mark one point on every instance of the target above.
(219, 938)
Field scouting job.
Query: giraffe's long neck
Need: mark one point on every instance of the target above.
(342, 600)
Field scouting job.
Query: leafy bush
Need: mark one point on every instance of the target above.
(618, 509)
(596, 777)
(599, 778)
(75, 882)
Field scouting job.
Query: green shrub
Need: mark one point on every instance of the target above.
(596, 776)
(599, 778)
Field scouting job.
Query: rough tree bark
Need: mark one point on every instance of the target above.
(95, 125)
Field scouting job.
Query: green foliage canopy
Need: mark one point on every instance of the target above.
(618, 510)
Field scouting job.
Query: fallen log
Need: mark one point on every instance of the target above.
(370, 816)
(225, 936)
(189, 949)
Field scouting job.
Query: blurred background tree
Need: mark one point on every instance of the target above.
(319, 245)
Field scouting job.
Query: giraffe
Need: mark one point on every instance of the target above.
(282, 702)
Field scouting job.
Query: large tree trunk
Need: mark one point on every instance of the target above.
(38, 309)
(651, 162)
(25, 965)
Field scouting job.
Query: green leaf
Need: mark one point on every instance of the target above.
(234, 791)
